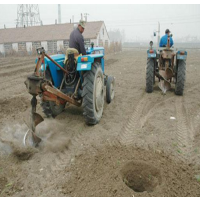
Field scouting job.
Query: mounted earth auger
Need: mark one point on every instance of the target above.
(168, 66)
(78, 80)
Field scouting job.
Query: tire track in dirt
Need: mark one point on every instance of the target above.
(194, 156)
(183, 132)
(142, 112)
(129, 131)
(151, 111)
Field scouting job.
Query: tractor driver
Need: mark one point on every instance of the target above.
(76, 40)
(163, 40)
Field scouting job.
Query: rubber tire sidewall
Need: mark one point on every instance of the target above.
(110, 80)
(89, 87)
(150, 76)
(180, 77)
(48, 106)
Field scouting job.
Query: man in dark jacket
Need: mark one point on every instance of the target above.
(76, 38)
(163, 41)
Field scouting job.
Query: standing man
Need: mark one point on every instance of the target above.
(76, 38)
(163, 40)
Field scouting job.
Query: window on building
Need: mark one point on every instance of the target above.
(103, 31)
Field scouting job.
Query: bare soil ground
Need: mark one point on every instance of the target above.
(135, 150)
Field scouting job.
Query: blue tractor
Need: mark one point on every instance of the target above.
(168, 66)
(70, 78)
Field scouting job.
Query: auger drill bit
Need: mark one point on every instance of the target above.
(35, 120)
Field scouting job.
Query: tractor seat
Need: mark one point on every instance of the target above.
(72, 51)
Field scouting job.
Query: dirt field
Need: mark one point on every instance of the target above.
(135, 150)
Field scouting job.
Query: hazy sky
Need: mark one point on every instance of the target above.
(138, 21)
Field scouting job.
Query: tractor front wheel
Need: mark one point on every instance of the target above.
(180, 77)
(150, 76)
(93, 94)
(110, 93)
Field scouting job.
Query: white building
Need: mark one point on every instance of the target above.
(52, 37)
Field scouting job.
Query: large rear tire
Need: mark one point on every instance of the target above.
(180, 77)
(93, 94)
(50, 108)
(150, 76)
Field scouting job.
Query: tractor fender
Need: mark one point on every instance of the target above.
(84, 66)
(87, 65)
(181, 55)
(151, 53)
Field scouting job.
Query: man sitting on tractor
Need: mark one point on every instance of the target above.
(76, 40)
(163, 40)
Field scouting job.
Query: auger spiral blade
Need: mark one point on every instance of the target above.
(30, 138)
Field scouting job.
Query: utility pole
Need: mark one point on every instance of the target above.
(158, 41)
(59, 14)
(85, 15)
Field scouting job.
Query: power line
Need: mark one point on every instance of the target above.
(154, 23)
(180, 17)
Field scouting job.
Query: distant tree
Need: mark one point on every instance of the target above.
(116, 35)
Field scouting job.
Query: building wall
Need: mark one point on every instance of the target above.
(22, 47)
(2, 48)
(29, 47)
(15, 46)
(8, 48)
(59, 45)
(103, 37)
(66, 44)
(44, 44)
(36, 45)
(52, 46)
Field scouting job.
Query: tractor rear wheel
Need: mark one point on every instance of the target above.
(180, 77)
(150, 76)
(50, 108)
(93, 94)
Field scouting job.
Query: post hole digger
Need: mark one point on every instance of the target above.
(168, 66)
(70, 78)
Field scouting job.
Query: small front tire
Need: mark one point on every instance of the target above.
(110, 93)
(150, 76)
